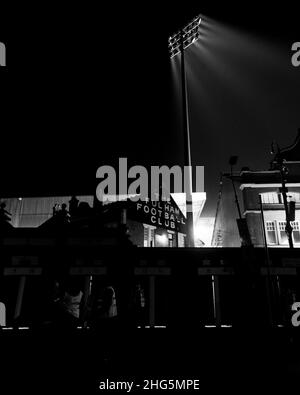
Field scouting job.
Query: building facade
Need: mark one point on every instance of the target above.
(268, 185)
(149, 223)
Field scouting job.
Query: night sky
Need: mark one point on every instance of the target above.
(85, 85)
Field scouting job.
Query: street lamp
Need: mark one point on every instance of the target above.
(177, 45)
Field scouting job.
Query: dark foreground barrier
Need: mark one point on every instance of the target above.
(145, 287)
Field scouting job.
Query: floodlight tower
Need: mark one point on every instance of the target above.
(178, 43)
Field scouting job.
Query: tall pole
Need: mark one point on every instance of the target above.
(187, 150)
(235, 194)
(269, 284)
(288, 227)
(177, 44)
(215, 236)
(284, 190)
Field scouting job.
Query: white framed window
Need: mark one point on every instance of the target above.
(283, 239)
(181, 240)
(270, 197)
(277, 198)
(296, 232)
(293, 196)
(271, 232)
(149, 235)
(276, 234)
(172, 238)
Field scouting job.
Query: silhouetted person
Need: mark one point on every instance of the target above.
(73, 206)
(62, 215)
(67, 306)
(103, 308)
(55, 210)
(64, 212)
(138, 306)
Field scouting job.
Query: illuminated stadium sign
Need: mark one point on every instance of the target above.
(162, 214)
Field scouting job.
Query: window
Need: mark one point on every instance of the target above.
(294, 196)
(181, 240)
(172, 239)
(277, 198)
(271, 232)
(270, 197)
(283, 239)
(283, 235)
(276, 234)
(152, 237)
(148, 236)
(296, 232)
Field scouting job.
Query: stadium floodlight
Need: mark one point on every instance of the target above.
(185, 37)
(178, 43)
